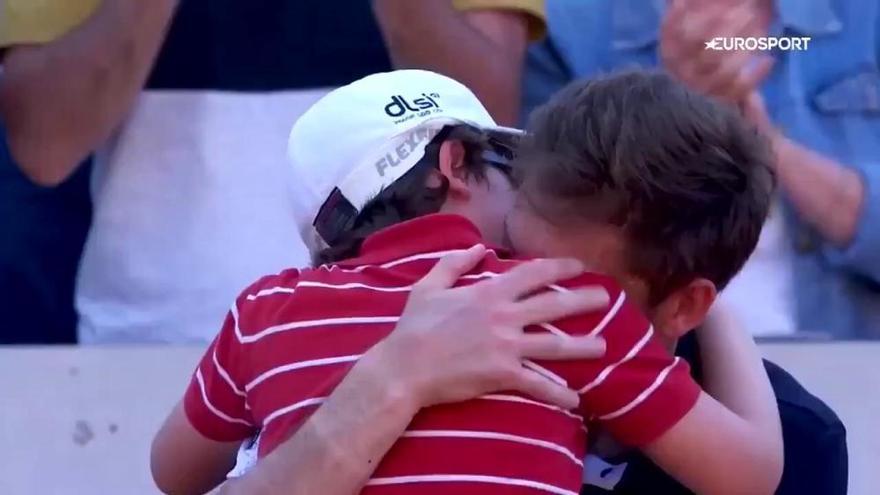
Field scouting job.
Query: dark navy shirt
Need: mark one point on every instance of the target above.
(266, 46)
(43, 231)
(816, 459)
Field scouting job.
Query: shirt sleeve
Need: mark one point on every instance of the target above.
(863, 254)
(215, 401)
(29, 22)
(638, 390)
(534, 10)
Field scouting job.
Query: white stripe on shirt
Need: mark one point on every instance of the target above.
(223, 374)
(608, 316)
(491, 435)
(355, 320)
(645, 393)
(298, 366)
(217, 412)
(270, 291)
(469, 478)
(293, 407)
(416, 257)
(629, 355)
(523, 400)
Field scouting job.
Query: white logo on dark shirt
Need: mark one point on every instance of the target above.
(601, 474)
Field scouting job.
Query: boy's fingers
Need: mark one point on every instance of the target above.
(531, 276)
(452, 266)
(547, 346)
(543, 390)
(551, 306)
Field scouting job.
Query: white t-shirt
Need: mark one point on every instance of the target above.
(191, 205)
(762, 294)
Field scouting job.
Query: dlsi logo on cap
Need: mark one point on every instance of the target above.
(421, 107)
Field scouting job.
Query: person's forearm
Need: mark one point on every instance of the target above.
(61, 100)
(431, 34)
(825, 194)
(734, 373)
(338, 448)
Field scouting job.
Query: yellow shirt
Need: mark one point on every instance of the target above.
(535, 10)
(40, 21)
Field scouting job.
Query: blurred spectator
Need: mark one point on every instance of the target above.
(44, 122)
(197, 171)
(484, 49)
(817, 268)
(588, 38)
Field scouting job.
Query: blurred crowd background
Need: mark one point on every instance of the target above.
(143, 177)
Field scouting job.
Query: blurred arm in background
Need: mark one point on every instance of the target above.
(842, 203)
(481, 43)
(59, 101)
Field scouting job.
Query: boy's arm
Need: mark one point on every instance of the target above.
(195, 447)
(646, 398)
(184, 462)
(731, 441)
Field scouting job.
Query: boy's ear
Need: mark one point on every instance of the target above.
(685, 309)
(451, 163)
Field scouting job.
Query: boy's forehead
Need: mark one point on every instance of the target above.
(601, 246)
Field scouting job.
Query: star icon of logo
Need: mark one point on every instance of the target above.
(712, 44)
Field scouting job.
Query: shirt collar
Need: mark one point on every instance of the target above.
(427, 234)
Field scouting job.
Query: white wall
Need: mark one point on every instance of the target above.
(79, 420)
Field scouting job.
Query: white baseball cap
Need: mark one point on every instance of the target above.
(361, 138)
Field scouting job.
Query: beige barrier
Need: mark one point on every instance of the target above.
(79, 421)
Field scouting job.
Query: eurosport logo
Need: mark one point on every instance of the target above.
(402, 109)
(763, 44)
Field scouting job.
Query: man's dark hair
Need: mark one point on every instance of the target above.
(686, 179)
(410, 196)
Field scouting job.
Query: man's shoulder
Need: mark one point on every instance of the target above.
(268, 294)
(313, 293)
(286, 277)
(287, 282)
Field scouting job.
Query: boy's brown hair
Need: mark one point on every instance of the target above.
(687, 180)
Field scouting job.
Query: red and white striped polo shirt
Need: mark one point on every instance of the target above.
(290, 339)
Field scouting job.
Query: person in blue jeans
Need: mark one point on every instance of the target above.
(817, 268)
